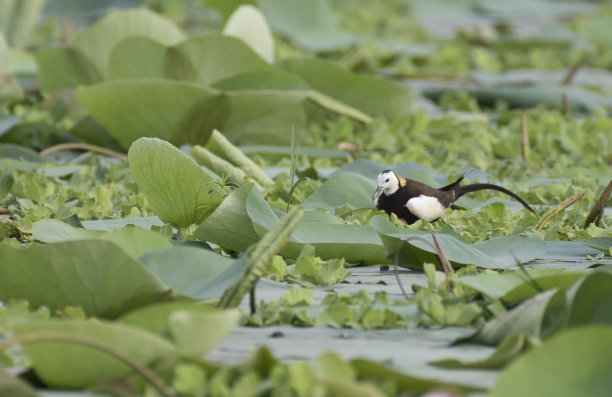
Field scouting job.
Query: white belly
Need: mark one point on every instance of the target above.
(427, 208)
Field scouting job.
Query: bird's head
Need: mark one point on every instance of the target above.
(388, 183)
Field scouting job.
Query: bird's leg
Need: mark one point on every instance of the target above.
(443, 221)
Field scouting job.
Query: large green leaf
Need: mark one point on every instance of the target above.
(340, 189)
(579, 99)
(177, 188)
(178, 112)
(310, 24)
(230, 225)
(514, 286)
(135, 241)
(216, 57)
(197, 332)
(372, 95)
(334, 239)
(93, 274)
(194, 328)
(245, 216)
(18, 18)
(498, 253)
(576, 362)
(9, 88)
(264, 117)
(370, 169)
(61, 68)
(248, 24)
(97, 42)
(10, 386)
(194, 272)
(62, 364)
(538, 317)
(591, 299)
(137, 57)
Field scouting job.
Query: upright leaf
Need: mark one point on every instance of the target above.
(178, 189)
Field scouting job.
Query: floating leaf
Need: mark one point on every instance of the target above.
(369, 94)
(311, 25)
(508, 349)
(520, 284)
(177, 188)
(498, 253)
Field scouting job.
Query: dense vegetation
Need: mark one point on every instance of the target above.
(183, 182)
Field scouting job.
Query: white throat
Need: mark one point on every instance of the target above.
(389, 183)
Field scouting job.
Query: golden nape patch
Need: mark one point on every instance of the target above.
(402, 181)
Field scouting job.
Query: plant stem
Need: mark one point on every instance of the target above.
(83, 146)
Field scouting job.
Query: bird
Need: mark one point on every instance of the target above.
(411, 200)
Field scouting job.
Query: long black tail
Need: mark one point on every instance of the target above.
(461, 190)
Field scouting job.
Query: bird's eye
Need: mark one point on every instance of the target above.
(386, 180)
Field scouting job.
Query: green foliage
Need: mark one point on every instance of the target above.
(88, 243)
(177, 188)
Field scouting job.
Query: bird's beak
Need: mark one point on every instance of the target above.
(377, 192)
